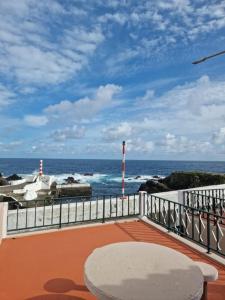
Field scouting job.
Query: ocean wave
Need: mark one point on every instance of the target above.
(139, 178)
(98, 177)
(95, 177)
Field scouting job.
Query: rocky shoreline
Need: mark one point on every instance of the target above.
(182, 180)
(42, 188)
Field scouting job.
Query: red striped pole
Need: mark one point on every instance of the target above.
(41, 168)
(123, 169)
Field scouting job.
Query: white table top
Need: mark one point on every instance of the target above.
(140, 271)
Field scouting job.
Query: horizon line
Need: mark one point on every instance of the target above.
(117, 159)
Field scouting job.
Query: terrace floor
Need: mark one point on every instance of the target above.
(49, 266)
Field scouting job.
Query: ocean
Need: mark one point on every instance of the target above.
(105, 175)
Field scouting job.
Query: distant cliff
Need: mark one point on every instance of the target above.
(182, 180)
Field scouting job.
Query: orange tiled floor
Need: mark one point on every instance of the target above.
(50, 266)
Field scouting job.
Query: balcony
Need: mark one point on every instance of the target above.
(49, 264)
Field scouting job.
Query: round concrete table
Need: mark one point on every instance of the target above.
(141, 271)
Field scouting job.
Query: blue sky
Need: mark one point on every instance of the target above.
(78, 77)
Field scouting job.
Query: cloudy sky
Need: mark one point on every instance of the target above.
(78, 77)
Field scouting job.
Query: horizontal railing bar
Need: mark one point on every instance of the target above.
(59, 212)
(74, 198)
(71, 223)
(202, 195)
(186, 206)
(192, 223)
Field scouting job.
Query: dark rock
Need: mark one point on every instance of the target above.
(1, 174)
(53, 185)
(12, 204)
(182, 180)
(70, 180)
(185, 180)
(137, 177)
(156, 177)
(74, 191)
(152, 186)
(53, 189)
(3, 181)
(88, 174)
(13, 177)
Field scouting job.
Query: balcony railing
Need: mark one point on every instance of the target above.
(201, 226)
(217, 193)
(40, 214)
(200, 218)
(208, 200)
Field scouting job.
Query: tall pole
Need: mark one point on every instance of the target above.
(123, 168)
(41, 168)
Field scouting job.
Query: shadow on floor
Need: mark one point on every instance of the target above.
(57, 287)
(55, 297)
(63, 285)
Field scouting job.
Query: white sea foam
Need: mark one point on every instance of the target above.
(97, 177)
(140, 178)
(35, 172)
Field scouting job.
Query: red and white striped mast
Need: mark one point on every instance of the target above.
(123, 168)
(41, 168)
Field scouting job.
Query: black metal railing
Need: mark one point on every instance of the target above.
(214, 193)
(202, 227)
(40, 214)
(212, 201)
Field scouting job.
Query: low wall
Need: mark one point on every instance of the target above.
(71, 212)
(173, 195)
(9, 188)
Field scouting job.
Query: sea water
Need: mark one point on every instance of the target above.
(105, 175)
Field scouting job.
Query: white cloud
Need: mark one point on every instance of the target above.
(35, 121)
(27, 51)
(122, 131)
(192, 96)
(196, 105)
(85, 107)
(140, 146)
(219, 136)
(67, 133)
(49, 64)
(10, 146)
(6, 96)
(44, 147)
(191, 113)
(134, 147)
(120, 18)
(168, 24)
(127, 129)
(82, 40)
(145, 100)
(181, 144)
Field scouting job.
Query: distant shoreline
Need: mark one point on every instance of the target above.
(107, 173)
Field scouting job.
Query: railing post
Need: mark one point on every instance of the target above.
(103, 210)
(208, 233)
(142, 201)
(181, 208)
(3, 220)
(181, 197)
(168, 223)
(60, 214)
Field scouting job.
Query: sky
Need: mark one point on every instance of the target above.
(78, 77)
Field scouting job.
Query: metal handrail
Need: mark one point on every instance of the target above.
(40, 214)
(200, 226)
